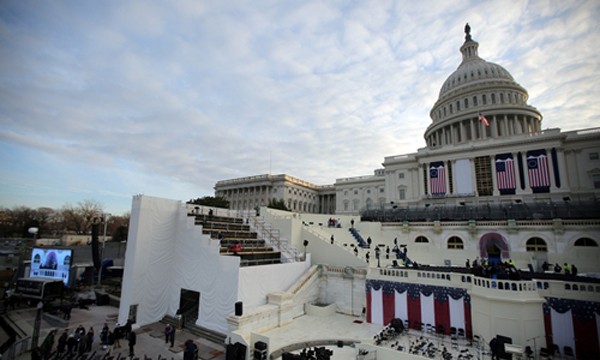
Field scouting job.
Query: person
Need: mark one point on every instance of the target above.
(387, 252)
(355, 251)
(168, 330)
(89, 339)
(331, 239)
(352, 223)
(67, 311)
(557, 268)
(545, 266)
(567, 269)
(117, 335)
(367, 256)
(104, 335)
(369, 241)
(467, 264)
(61, 345)
(132, 340)
(46, 348)
(494, 348)
(573, 270)
(172, 336)
(71, 344)
(190, 351)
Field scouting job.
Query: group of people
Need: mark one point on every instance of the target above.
(335, 223)
(80, 341)
(500, 270)
(566, 268)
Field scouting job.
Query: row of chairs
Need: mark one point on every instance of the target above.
(554, 350)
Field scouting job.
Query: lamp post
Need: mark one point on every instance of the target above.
(36, 326)
(103, 218)
(377, 251)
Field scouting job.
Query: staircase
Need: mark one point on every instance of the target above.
(231, 231)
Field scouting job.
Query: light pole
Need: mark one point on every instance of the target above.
(103, 218)
(377, 251)
(36, 326)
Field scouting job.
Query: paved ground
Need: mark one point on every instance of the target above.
(150, 339)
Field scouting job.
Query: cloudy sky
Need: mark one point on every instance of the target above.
(103, 100)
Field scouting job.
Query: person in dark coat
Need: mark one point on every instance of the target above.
(71, 344)
(132, 340)
(61, 345)
(190, 351)
(172, 336)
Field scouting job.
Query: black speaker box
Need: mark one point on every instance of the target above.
(239, 308)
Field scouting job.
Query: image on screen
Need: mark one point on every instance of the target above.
(51, 263)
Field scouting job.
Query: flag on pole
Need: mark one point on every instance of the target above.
(483, 120)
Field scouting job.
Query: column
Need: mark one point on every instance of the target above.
(495, 190)
(494, 124)
(472, 127)
(508, 128)
(553, 187)
(463, 131)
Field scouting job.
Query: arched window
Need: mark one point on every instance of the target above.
(421, 239)
(536, 244)
(586, 242)
(474, 100)
(455, 243)
(483, 99)
(369, 203)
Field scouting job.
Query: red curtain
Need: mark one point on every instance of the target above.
(389, 308)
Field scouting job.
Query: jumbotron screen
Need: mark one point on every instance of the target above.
(51, 263)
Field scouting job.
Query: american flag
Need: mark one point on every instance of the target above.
(505, 173)
(537, 167)
(483, 120)
(437, 174)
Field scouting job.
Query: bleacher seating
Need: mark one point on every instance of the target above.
(232, 231)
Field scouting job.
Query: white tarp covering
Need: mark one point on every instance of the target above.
(167, 252)
(463, 177)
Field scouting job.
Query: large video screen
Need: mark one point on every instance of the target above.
(51, 263)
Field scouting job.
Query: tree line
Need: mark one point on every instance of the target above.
(54, 223)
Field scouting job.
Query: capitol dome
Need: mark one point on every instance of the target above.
(479, 100)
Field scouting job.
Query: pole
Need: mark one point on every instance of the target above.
(36, 326)
(105, 219)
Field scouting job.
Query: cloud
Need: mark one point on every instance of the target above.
(169, 97)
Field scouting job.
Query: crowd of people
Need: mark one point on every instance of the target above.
(79, 342)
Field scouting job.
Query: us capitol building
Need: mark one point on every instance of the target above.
(486, 151)
(490, 185)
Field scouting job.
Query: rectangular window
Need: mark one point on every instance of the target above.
(401, 175)
(596, 181)
(402, 194)
(593, 156)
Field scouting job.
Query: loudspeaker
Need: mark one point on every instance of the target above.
(239, 308)
(235, 351)
(501, 351)
(260, 345)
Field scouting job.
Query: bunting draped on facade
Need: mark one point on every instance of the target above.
(574, 324)
(437, 177)
(537, 170)
(419, 305)
(505, 174)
